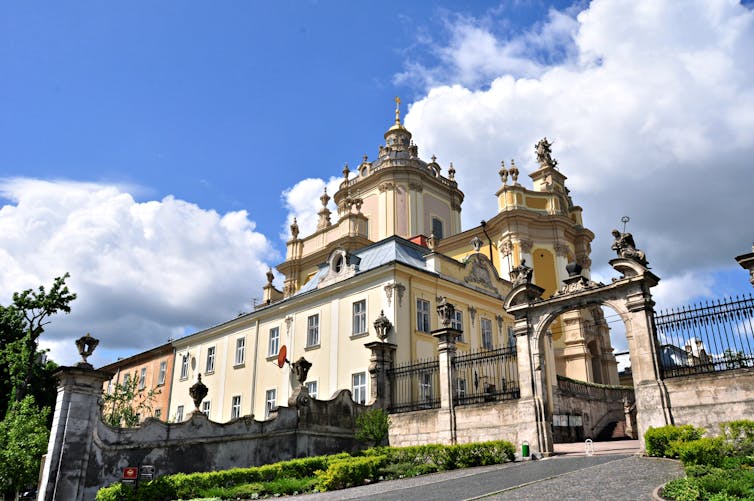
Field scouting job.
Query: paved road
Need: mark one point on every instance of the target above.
(603, 477)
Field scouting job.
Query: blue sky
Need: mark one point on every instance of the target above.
(158, 151)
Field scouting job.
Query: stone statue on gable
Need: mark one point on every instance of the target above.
(544, 153)
(626, 248)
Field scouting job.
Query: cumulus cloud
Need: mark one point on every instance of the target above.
(302, 201)
(143, 271)
(650, 109)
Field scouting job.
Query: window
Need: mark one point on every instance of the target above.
(437, 227)
(163, 371)
(312, 331)
(511, 338)
(461, 387)
(422, 315)
(487, 333)
(126, 379)
(359, 317)
(274, 344)
(157, 413)
(359, 389)
(311, 387)
(270, 406)
(210, 365)
(143, 378)
(457, 323)
(240, 351)
(425, 387)
(184, 366)
(206, 406)
(179, 414)
(235, 407)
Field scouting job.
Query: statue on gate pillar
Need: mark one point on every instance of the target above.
(626, 248)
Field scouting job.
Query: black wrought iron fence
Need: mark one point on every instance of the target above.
(486, 376)
(710, 337)
(415, 386)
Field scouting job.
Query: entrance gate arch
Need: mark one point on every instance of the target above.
(629, 295)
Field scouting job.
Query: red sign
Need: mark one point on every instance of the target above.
(130, 473)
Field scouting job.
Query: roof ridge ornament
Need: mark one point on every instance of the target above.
(397, 110)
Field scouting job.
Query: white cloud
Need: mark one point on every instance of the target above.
(303, 202)
(651, 111)
(143, 272)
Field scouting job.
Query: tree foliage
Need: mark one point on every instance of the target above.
(126, 402)
(372, 426)
(23, 441)
(24, 370)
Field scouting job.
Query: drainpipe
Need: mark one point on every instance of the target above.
(484, 229)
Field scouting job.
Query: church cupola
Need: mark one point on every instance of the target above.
(397, 137)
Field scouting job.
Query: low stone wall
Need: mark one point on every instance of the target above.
(511, 420)
(710, 399)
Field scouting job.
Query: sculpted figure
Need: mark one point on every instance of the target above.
(521, 274)
(626, 248)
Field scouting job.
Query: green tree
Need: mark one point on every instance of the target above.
(126, 402)
(24, 369)
(23, 441)
(372, 426)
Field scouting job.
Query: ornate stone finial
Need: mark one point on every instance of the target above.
(301, 369)
(521, 274)
(365, 158)
(294, 228)
(325, 197)
(397, 110)
(270, 276)
(451, 172)
(86, 345)
(382, 326)
(513, 171)
(544, 153)
(346, 171)
(445, 311)
(625, 247)
(503, 172)
(573, 269)
(476, 243)
(197, 392)
(434, 159)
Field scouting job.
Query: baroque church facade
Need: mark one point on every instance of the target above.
(396, 250)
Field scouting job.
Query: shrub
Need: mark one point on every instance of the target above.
(704, 451)
(372, 426)
(740, 434)
(349, 472)
(662, 442)
(682, 489)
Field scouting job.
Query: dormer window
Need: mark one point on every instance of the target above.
(342, 265)
(338, 264)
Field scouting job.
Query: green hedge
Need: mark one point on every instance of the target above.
(662, 442)
(321, 473)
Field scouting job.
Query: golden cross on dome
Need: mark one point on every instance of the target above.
(397, 110)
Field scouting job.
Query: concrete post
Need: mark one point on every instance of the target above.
(380, 362)
(76, 414)
(446, 351)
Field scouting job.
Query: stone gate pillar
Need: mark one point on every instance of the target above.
(446, 352)
(69, 449)
(380, 362)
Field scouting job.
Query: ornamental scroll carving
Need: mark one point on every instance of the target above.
(526, 246)
(577, 284)
(386, 186)
(480, 271)
(396, 287)
(561, 250)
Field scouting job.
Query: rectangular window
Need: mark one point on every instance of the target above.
(184, 366)
(273, 346)
(311, 387)
(270, 405)
(511, 338)
(157, 413)
(206, 406)
(163, 372)
(210, 365)
(425, 387)
(437, 227)
(235, 407)
(359, 387)
(312, 331)
(422, 315)
(240, 351)
(179, 414)
(359, 317)
(143, 378)
(460, 387)
(457, 322)
(126, 379)
(486, 333)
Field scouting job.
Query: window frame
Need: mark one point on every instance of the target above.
(270, 401)
(240, 353)
(457, 323)
(487, 341)
(209, 364)
(441, 224)
(179, 414)
(235, 407)
(359, 391)
(422, 316)
(309, 386)
(162, 373)
(312, 330)
(359, 318)
(184, 366)
(273, 341)
(142, 378)
(206, 407)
